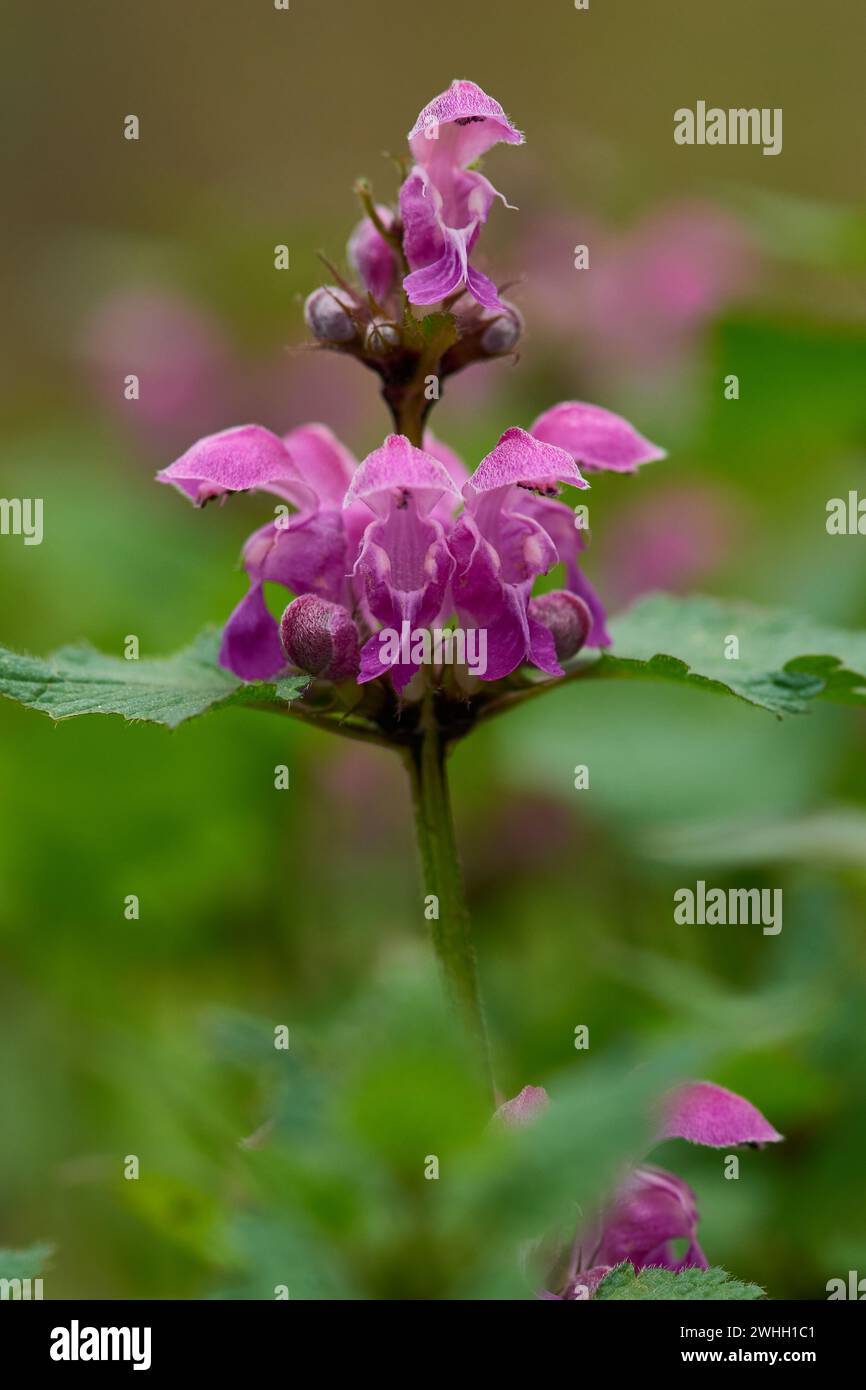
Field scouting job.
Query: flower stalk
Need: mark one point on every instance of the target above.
(443, 880)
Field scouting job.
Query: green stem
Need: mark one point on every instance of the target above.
(452, 939)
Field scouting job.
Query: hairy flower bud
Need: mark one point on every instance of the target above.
(320, 637)
(567, 618)
(372, 256)
(503, 331)
(381, 338)
(327, 312)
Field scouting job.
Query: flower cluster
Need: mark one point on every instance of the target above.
(652, 1208)
(407, 540)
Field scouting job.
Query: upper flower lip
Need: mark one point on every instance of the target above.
(709, 1114)
(520, 458)
(233, 460)
(398, 466)
(595, 437)
(474, 122)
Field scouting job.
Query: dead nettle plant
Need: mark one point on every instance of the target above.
(412, 618)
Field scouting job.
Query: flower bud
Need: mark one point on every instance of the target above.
(502, 332)
(566, 616)
(319, 637)
(381, 338)
(328, 315)
(372, 256)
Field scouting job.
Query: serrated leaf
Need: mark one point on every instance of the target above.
(785, 659)
(689, 1284)
(164, 690)
(25, 1264)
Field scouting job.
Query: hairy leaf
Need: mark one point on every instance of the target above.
(163, 690)
(622, 1283)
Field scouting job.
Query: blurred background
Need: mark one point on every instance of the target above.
(262, 907)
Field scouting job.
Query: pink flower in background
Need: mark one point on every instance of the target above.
(649, 292)
(664, 281)
(191, 375)
(670, 540)
(179, 353)
(444, 204)
(651, 1208)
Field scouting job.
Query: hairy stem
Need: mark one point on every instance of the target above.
(451, 932)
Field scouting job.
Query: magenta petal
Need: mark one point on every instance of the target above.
(420, 209)
(443, 210)
(711, 1115)
(232, 461)
(557, 519)
(652, 1209)
(482, 289)
(460, 124)
(307, 556)
(522, 1108)
(521, 459)
(484, 600)
(595, 437)
(457, 471)
(373, 666)
(324, 464)
(372, 256)
(440, 278)
(397, 472)
(251, 640)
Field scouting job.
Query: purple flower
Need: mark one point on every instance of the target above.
(414, 563)
(459, 126)
(404, 560)
(306, 552)
(443, 204)
(652, 1208)
(372, 257)
(500, 546)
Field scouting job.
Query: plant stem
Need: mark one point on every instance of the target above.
(409, 415)
(440, 864)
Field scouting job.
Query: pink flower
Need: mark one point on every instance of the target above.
(443, 204)
(415, 562)
(500, 548)
(372, 257)
(404, 560)
(652, 1208)
(307, 552)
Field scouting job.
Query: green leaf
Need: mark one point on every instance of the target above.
(25, 1264)
(785, 659)
(622, 1283)
(164, 690)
